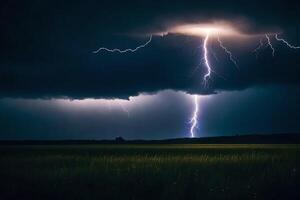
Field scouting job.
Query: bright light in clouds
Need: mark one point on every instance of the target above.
(203, 30)
(123, 105)
(97, 104)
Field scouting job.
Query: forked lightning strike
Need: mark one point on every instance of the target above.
(206, 77)
(206, 32)
(194, 119)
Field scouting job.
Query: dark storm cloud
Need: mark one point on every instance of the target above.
(46, 47)
(164, 115)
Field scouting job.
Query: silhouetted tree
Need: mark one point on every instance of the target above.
(119, 140)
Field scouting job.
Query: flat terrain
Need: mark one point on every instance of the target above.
(150, 171)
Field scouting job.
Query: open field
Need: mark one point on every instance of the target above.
(150, 171)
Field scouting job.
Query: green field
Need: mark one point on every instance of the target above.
(150, 172)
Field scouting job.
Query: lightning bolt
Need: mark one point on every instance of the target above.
(125, 50)
(194, 119)
(228, 52)
(206, 61)
(270, 44)
(286, 43)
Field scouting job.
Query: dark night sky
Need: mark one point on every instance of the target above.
(46, 58)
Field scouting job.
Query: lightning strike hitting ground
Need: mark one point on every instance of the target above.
(270, 44)
(286, 43)
(205, 31)
(194, 119)
(125, 50)
(206, 77)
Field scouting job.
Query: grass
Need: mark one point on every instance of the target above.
(150, 172)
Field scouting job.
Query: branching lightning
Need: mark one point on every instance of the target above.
(125, 50)
(228, 52)
(207, 32)
(270, 45)
(286, 43)
(194, 119)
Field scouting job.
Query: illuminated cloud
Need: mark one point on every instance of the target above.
(217, 28)
(214, 29)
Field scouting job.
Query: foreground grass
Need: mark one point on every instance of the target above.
(150, 172)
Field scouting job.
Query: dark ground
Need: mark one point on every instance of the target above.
(150, 171)
(238, 139)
